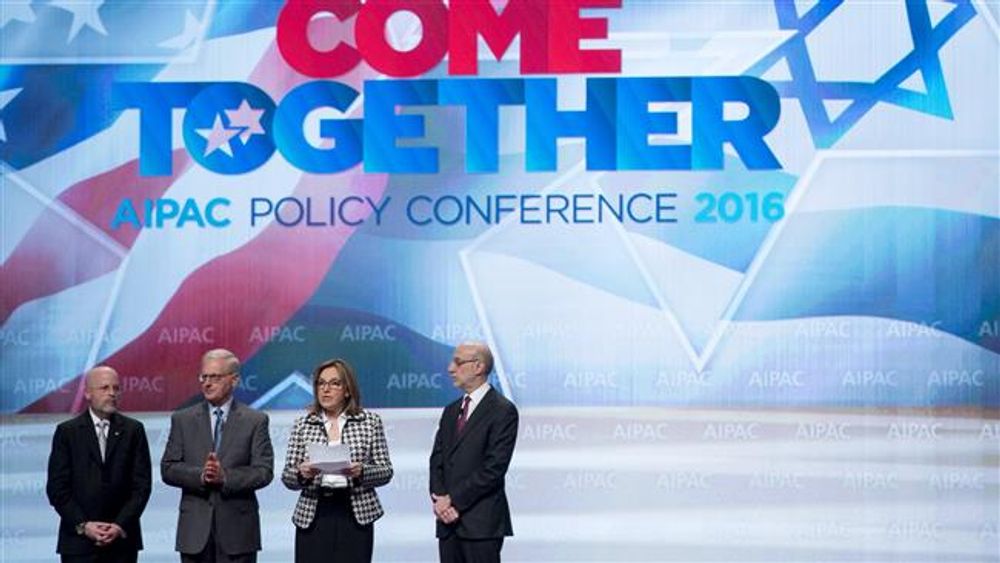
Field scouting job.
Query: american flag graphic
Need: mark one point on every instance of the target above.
(86, 293)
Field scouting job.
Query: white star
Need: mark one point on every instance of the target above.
(84, 14)
(247, 118)
(218, 137)
(192, 31)
(5, 97)
(19, 10)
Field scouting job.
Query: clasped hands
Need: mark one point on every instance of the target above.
(103, 533)
(443, 509)
(211, 472)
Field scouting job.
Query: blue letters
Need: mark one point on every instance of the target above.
(233, 128)
(163, 211)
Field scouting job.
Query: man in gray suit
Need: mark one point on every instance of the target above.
(219, 453)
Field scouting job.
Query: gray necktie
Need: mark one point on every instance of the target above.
(217, 435)
(102, 437)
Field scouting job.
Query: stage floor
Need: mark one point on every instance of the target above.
(640, 484)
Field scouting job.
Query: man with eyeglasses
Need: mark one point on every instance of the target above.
(99, 477)
(472, 451)
(219, 453)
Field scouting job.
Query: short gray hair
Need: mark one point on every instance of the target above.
(222, 354)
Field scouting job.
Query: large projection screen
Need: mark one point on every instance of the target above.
(738, 261)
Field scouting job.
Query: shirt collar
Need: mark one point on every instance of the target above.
(96, 419)
(479, 393)
(224, 406)
(341, 418)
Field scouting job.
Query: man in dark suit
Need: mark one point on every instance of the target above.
(472, 450)
(99, 477)
(219, 453)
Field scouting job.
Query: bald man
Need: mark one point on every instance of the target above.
(468, 465)
(99, 477)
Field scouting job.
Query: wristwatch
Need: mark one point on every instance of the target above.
(80, 528)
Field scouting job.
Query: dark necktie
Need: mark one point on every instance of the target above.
(217, 435)
(463, 415)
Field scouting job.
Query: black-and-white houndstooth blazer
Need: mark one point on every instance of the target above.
(365, 437)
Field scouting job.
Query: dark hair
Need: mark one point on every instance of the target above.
(346, 372)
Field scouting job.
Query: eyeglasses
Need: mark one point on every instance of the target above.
(460, 362)
(329, 384)
(213, 377)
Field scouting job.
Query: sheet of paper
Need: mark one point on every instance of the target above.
(327, 458)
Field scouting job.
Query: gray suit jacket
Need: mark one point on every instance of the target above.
(248, 463)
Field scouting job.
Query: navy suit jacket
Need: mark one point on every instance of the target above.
(82, 488)
(471, 467)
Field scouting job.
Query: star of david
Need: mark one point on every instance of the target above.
(861, 97)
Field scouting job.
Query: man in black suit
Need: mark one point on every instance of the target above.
(472, 450)
(219, 453)
(99, 477)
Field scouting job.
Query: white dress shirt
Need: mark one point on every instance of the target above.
(332, 480)
(225, 411)
(476, 397)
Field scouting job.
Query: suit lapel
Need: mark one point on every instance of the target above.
(481, 413)
(315, 422)
(114, 435)
(203, 426)
(449, 423)
(350, 429)
(88, 435)
(355, 428)
(229, 427)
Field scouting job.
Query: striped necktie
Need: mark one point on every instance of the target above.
(102, 438)
(463, 415)
(217, 435)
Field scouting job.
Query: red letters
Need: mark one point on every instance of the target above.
(566, 31)
(471, 18)
(370, 33)
(550, 31)
(293, 38)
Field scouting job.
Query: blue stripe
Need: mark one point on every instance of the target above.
(935, 267)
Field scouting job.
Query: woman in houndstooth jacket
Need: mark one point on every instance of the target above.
(335, 514)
